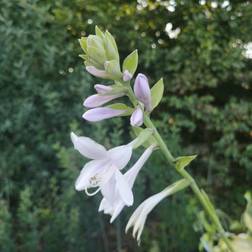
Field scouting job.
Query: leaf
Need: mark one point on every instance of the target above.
(122, 106)
(183, 161)
(142, 137)
(157, 93)
(130, 62)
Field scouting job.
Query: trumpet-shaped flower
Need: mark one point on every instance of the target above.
(104, 164)
(113, 201)
(138, 218)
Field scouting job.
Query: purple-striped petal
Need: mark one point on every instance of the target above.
(136, 118)
(99, 114)
(142, 90)
(97, 100)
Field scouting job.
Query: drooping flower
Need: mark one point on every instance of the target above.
(113, 201)
(138, 218)
(104, 164)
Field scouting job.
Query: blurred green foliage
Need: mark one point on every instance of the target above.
(207, 110)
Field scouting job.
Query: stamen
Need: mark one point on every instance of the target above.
(94, 181)
(92, 193)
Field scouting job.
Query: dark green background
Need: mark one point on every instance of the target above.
(207, 109)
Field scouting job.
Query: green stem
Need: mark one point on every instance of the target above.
(203, 199)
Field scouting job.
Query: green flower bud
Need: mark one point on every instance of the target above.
(101, 53)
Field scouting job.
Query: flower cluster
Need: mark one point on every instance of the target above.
(104, 173)
(106, 94)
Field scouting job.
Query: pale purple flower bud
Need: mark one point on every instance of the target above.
(99, 114)
(142, 90)
(102, 89)
(136, 118)
(97, 100)
(127, 75)
(96, 72)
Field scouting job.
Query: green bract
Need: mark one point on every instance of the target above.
(183, 161)
(130, 63)
(157, 93)
(120, 106)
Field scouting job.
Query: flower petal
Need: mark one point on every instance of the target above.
(137, 117)
(108, 190)
(132, 173)
(142, 90)
(117, 211)
(97, 100)
(99, 114)
(90, 170)
(105, 207)
(120, 155)
(124, 189)
(102, 89)
(88, 147)
(134, 217)
(96, 72)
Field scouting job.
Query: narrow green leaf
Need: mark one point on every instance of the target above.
(157, 93)
(130, 63)
(122, 106)
(183, 161)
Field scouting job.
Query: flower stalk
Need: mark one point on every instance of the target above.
(200, 194)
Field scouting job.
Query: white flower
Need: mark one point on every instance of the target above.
(104, 164)
(113, 201)
(138, 218)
